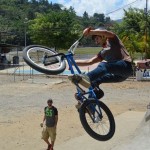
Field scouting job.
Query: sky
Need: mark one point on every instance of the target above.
(102, 6)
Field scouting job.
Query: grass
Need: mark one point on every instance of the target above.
(85, 50)
(94, 51)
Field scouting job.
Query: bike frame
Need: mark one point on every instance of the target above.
(72, 67)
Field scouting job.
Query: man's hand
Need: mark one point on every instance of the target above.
(41, 124)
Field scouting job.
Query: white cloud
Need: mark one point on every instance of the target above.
(102, 6)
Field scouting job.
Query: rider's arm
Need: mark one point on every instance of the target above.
(105, 33)
(91, 61)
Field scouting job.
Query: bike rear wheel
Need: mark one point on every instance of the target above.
(44, 59)
(97, 120)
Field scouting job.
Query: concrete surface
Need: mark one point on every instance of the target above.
(131, 130)
(140, 139)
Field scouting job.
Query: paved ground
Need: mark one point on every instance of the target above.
(140, 139)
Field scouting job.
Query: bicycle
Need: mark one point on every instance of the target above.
(96, 118)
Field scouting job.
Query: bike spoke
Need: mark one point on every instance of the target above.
(99, 126)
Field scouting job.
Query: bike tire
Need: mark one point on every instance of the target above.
(89, 129)
(34, 56)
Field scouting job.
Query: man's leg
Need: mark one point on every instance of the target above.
(52, 142)
(47, 141)
(45, 137)
(53, 137)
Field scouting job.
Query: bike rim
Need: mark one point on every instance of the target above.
(36, 56)
(98, 120)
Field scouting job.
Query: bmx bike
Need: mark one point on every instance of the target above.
(96, 118)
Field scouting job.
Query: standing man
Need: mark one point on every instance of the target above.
(50, 119)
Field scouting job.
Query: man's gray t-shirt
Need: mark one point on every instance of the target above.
(50, 114)
(114, 51)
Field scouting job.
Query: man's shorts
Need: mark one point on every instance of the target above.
(49, 132)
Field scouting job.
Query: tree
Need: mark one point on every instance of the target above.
(132, 31)
(135, 20)
(56, 29)
(85, 20)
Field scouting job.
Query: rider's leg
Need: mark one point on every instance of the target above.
(112, 71)
(108, 78)
(119, 68)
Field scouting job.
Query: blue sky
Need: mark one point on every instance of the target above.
(101, 6)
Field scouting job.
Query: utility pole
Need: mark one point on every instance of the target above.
(146, 30)
(25, 31)
(0, 36)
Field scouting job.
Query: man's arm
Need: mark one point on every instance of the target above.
(56, 120)
(44, 118)
(41, 124)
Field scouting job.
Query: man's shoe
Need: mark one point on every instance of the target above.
(49, 146)
(80, 79)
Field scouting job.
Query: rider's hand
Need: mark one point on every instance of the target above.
(86, 31)
(41, 124)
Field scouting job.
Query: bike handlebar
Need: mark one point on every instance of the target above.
(74, 45)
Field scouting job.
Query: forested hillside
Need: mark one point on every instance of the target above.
(24, 22)
(16, 17)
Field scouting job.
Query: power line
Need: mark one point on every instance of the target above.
(121, 7)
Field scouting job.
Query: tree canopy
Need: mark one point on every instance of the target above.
(135, 31)
(42, 22)
(39, 18)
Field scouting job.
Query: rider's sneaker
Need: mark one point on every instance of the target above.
(81, 79)
(98, 92)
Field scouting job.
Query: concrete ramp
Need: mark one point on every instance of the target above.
(140, 139)
(126, 125)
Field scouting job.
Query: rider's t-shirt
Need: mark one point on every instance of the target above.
(50, 114)
(114, 51)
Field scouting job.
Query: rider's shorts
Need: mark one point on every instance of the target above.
(49, 132)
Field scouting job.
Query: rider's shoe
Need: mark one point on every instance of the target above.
(81, 79)
(98, 92)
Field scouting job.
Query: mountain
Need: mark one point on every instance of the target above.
(118, 20)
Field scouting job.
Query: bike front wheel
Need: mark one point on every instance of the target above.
(44, 59)
(97, 120)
